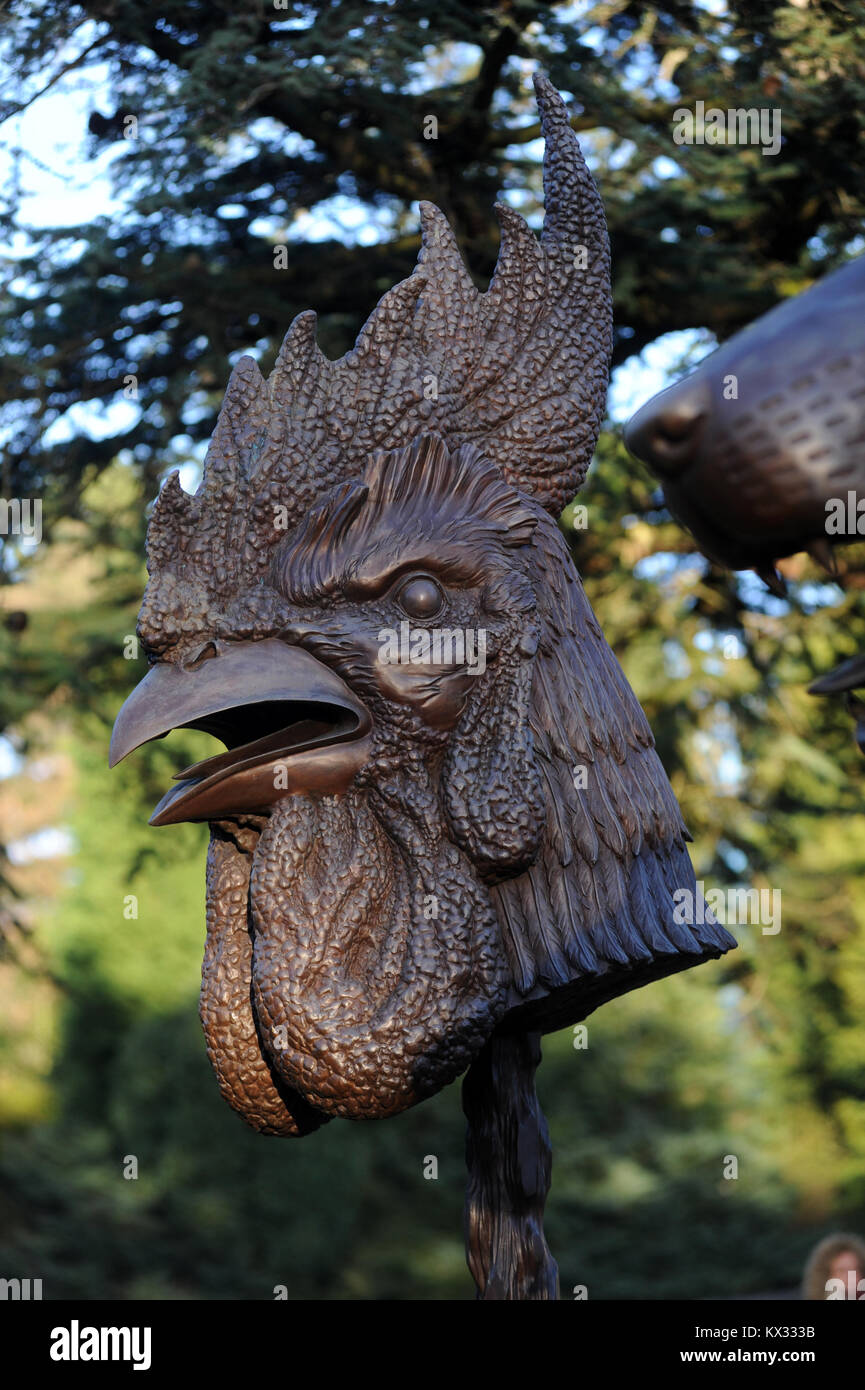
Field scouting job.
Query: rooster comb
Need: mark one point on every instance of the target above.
(518, 372)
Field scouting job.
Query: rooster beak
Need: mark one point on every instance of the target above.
(290, 725)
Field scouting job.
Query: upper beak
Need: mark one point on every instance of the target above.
(290, 725)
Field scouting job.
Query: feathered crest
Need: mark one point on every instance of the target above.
(519, 371)
(349, 541)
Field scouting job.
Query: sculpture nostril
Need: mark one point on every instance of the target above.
(677, 426)
(666, 434)
(197, 658)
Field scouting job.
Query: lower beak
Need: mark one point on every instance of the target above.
(290, 725)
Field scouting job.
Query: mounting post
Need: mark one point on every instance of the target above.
(509, 1162)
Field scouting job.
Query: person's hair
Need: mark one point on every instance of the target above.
(817, 1270)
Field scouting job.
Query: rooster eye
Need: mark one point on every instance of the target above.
(421, 597)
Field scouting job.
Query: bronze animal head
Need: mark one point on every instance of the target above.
(440, 812)
(761, 449)
(753, 444)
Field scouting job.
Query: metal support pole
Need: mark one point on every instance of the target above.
(509, 1166)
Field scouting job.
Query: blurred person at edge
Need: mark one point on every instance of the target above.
(835, 1269)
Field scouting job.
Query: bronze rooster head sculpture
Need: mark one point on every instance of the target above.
(440, 812)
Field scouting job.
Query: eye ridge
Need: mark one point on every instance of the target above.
(420, 596)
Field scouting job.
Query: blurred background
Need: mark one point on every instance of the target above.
(153, 159)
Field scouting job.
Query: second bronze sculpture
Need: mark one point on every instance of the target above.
(763, 470)
(440, 820)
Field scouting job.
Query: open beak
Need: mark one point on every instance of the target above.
(289, 723)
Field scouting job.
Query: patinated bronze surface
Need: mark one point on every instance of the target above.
(413, 860)
(509, 1161)
(756, 445)
(754, 442)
